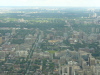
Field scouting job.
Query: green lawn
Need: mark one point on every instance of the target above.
(52, 51)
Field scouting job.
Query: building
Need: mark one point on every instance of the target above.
(2, 56)
(79, 72)
(97, 69)
(22, 53)
(91, 61)
(0, 38)
(13, 31)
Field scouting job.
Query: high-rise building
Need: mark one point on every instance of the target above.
(91, 61)
(97, 30)
(0, 38)
(71, 70)
(13, 31)
(97, 69)
(88, 72)
(93, 30)
(65, 36)
(79, 72)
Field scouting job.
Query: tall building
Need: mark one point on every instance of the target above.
(79, 72)
(71, 72)
(93, 30)
(72, 66)
(97, 69)
(94, 15)
(91, 61)
(65, 36)
(97, 30)
(13, 31)
(88, 72)
(2, 56)
(0, 38)
(66, 70)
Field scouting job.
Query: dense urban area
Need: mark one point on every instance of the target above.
(49, 41)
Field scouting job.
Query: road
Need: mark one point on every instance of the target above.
(34, 47)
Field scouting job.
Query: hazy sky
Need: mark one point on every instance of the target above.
(50, 3)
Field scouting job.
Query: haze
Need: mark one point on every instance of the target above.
(72, 3)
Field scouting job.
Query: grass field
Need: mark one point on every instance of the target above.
(52, 51)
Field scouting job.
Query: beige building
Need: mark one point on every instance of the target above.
(2, 56)
(0, 40)
(91, 61)
(22, 53)
(79, 72)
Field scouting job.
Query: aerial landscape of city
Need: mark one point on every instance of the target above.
(49, 40)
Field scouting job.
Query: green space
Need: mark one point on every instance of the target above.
(51, 51)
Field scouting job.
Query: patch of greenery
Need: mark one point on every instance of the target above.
(52, 51)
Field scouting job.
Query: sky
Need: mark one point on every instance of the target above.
(71, 3)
